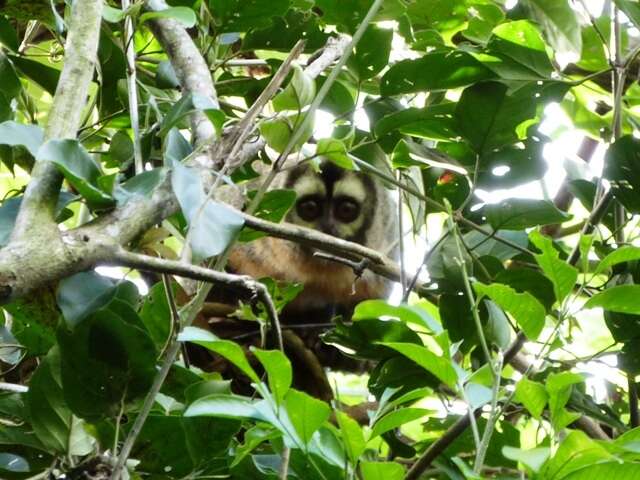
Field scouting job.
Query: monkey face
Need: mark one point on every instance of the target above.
(334, 201)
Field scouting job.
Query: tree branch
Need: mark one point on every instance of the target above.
(189, 65)
(37, 209)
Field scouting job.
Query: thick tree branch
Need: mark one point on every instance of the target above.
(189, 65)
(38, 204)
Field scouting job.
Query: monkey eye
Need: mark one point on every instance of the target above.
(309, 209)
(346, 210)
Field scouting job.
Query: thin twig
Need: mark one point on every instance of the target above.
(132, 89)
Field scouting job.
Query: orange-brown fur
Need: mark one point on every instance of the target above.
(325, 282)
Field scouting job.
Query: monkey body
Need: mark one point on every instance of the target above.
(345, 204)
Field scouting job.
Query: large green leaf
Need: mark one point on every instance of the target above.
(80, 295)
(622, 164)
(228, 349)
(381, 471)
(521, 213)
(44, 75)
(244, 15)
(279, 372)
(212, 225)
(441, 367)
(106, 359)
(563, 275)
(625, 253)
(307, 414)
(560, 24)
(523, 307)
(440, 70)
(487, 115)
(48, 412)
(28, 136)
(631, 8)
(188, 445)
(520, 42)
(184, 15)
(532, 395)
(298, 93)
(352, 436)
(371, 54)
(576, 451)
(78, 167)
(621, 298)
(396, 419)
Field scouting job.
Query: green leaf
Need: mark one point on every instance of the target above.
(625, 253)
(307, 414)
(521, 213)
(336, 151)
(184, 15)
(111, 14)
(352, 436)
(478, 395)
(78, 167)
(141, 185)
(279, 372)
(371, 54)
(245, 15)
(155, 314)
(532, 395)
(80, 295)
(396, 419)
(487, 115)
(482, 20)
(29, 136)
(622, 162)
(10, 85)
(560, 24)
(186, 446)
(621, 299)
(440, 70)
(523, 307)
(228, 349)
(285, 31)
(533, 458)
(528, 280)
(8, 35)
(559, 386)
(48, 412)
(278, 132)
(212, 225)
(176, 147)
(521, 42)
(297, 94)
(120, 149)
(45, 76)
(614, 470)
(13, 463)
(576, 451)
(187, 104)
(441, 367)
(563, 275)
(631, 9)
(107, 359)
(224, 406)
(381, 471)
(406, 313)
(433, 122)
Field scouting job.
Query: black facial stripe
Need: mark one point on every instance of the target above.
(368, 207)
(330, 174)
